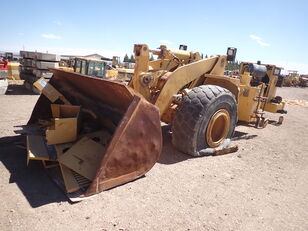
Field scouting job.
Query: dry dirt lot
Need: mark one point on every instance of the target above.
(263, 186)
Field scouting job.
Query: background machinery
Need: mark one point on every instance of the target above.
(258, 92)
(87, 66)
(124, 70)
(292, 79)
(303, 81)
(99, 68)
(179, 88)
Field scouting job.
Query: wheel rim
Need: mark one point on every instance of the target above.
(218, 128)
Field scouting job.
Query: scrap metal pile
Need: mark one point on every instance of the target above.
(83, 142)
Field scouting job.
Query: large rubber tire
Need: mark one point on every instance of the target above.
(191, 121)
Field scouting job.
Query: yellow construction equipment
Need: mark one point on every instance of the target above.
(179, 88)
(191, 93)
(124, 72)
(303, 81)
(99, 68)
(292, 79)
(258, 92)
(88, 66)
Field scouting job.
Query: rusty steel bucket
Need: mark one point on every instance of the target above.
(134, 123)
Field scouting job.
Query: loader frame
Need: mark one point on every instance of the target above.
(161, 80)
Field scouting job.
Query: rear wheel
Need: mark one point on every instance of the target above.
(205, 119)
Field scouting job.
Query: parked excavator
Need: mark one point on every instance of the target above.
(179, 88)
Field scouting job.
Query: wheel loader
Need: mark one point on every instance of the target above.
(90, 67)
(179, 88)
(292, 79)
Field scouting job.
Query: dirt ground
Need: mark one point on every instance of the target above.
(263, 186)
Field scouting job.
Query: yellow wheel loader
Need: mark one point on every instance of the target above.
(292, 79)
(100, 69)
(179, 88)
(203, 112)
(93, 67)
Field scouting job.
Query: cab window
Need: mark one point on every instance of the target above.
(77, 65)
(96, 69)
(83, 67)
(277, 71)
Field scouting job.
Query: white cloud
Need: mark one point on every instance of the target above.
(264, 44)
(254, 37)
(259, 40)
(59, 23)
(165, 42)
(51, 36)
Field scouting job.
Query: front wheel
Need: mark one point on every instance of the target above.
(205, 119)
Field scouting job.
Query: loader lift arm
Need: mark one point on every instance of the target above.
(158, 81)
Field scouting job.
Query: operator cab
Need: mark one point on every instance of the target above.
(91, 67)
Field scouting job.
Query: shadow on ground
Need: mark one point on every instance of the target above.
(253, 125)
(32, 180)
(242, 136)
(169, 154)
(38, 187)
(274, 122)
(18, 89)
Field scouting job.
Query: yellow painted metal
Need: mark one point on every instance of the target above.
(162, 64)
(141, 66)
(245, 79)
(182, 76)
(69, 69)
(158, 81)
(124, 73)
(274, 107)
(13, 70)
(182, 55)
(271, 86)
(248, 103)
(266, 98)
(218, 128)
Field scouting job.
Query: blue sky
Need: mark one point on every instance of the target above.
(271, 31)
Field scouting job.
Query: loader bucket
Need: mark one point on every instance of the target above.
(133, 123)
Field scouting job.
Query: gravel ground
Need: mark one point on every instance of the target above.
(263, 186)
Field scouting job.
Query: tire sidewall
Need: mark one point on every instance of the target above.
(193, 115)
(222, 102)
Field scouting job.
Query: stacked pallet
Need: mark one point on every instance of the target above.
(35, 65)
